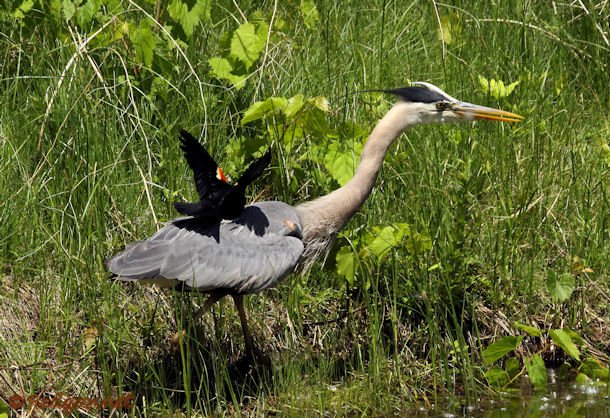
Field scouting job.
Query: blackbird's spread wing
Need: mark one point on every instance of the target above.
(255, 170)
(203, 165)
(235, 200)
(211, 190)
(189, 208)
(218, 200)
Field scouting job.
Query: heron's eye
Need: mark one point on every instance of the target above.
(440, 106)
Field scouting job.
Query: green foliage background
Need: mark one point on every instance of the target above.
(469, 229)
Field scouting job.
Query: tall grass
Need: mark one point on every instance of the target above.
(90, 162)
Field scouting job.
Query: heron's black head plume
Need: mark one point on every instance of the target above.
(418, 93)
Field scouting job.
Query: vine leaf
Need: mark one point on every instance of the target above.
(23, 9)
(86, 12)
(496, 88)
(496, 377)
(346, 264)
(144, 42)
(294, 105)
(560, 286)
(448, 28)
(563, 340)
(259, 110)
(388, 238)
(500, 348)
(222, 69)
(536, 370)
(189, 18)
(341, 164)
(247, 44)
(310, 13)
(529, 330)
(68, 9)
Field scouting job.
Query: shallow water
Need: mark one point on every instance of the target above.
(561, 399)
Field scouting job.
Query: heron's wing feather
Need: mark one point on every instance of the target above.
(247, 255)
(243, 262)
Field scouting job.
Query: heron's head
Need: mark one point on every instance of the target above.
(426, 103)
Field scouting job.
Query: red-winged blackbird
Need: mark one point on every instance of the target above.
(218, 199)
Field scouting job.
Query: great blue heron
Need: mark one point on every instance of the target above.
(271, 239)
(217, 199)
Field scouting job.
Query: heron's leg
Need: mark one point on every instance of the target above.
(211, 300)
(239, 304)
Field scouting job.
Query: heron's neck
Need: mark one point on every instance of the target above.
(336, 208)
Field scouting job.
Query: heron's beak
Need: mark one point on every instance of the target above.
(471, 111)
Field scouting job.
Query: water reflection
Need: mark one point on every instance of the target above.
(561, 399)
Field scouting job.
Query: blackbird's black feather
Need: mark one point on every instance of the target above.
(217, 199)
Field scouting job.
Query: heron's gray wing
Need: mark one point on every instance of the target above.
(248, 254)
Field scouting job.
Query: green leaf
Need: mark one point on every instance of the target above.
(86, 12)
(262, 29)
(575, 337)
(436, 266)
(115, 32)
(144, 42)
(247, 45)
(320, 102)
(23, 9)
(27, 5)
(310, 13)
(351, 130)
(418, 243)
(496, 377)
(500, 348)
(385, 240)
(222, 69)
(381, 241)
(294, 106)
(276, 104)
(496, 88)
(346, 264)
(594, 369)
(259, 110)
(531, 331)
(536, 371)
(256, 111)
(68, 9)
(159, 88)
(341, 164)
(12, 402)
(512, 367)
(190, 18)
(314, 121)
(560, 287)
(445, 29)
(563, 340)
(257, 17)
(54, 9)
